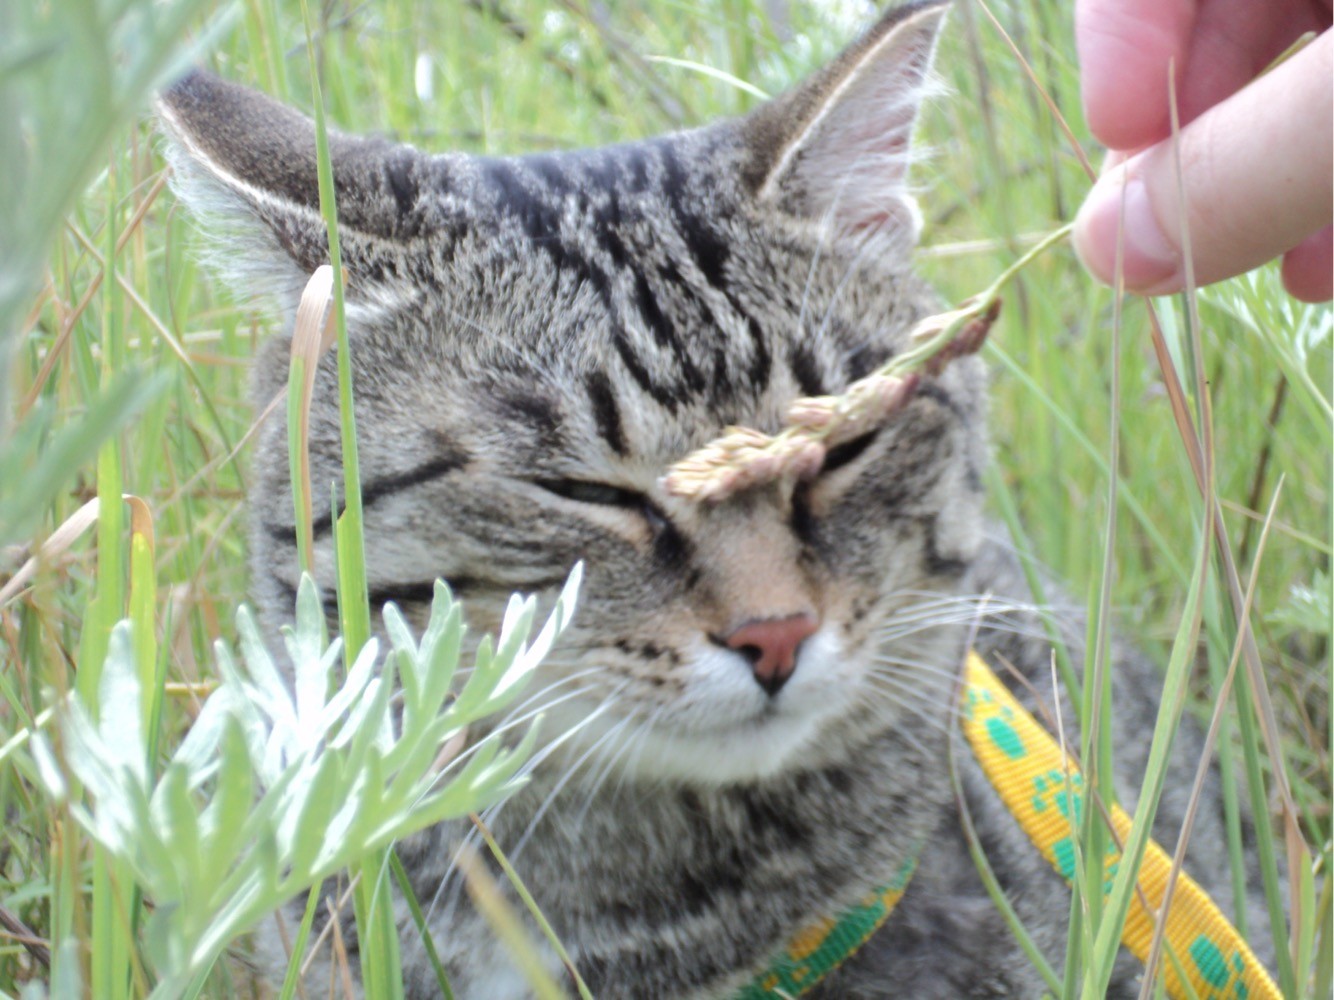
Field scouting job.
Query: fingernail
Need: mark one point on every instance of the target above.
(1150, 263)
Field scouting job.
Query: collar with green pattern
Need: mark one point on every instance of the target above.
(1043, 789)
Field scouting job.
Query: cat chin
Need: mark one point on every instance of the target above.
(753, 753)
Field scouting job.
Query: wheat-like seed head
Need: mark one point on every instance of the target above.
(744, 457)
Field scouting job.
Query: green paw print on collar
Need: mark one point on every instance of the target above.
(999, 724)
(1051, 788)
(1225, 975)
(973, 701)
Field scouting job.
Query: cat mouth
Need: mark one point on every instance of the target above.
(727, 728)
(720, 726)
(774, 740)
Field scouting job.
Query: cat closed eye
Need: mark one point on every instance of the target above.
(847, 452)
(602, 494)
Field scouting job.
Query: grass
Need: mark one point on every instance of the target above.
(119, 291)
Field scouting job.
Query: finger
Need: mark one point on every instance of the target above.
(1216, 47)
(1308, 268)
(1124, 49)
(1234, 41)
(1256, 171)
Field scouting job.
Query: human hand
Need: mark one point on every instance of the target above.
(1257, 155)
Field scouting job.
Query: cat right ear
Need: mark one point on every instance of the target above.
(837, 148)
(248, 163)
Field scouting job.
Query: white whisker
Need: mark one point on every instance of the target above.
(556, 789)
(451, 885)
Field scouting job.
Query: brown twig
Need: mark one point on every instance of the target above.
(16, 930)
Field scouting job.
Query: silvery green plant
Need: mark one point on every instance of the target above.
(275, 789)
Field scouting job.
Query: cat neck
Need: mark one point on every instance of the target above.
(652, 879)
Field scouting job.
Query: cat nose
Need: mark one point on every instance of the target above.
(771, 644)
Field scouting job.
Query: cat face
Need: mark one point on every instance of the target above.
(537, 339)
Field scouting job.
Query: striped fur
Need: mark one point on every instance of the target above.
(535, 339)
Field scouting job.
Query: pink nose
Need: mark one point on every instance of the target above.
(771, 645)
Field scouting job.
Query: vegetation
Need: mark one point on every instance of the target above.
(1179, 476)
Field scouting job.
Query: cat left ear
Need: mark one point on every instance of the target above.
(837, 149)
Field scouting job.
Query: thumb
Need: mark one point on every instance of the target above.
(1256, 172)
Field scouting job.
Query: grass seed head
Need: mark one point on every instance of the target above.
(743, 458)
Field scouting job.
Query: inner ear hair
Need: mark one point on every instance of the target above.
(247, 163)
(837, 148)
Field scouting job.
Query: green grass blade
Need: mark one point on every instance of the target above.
(1117, 904)
(293, 974)
(419, 921)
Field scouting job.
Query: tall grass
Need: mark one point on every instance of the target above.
(127, 374)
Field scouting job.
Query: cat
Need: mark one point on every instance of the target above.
(758, 693)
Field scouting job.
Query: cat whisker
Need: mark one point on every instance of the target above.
(914, 674)
(925, 710)
(613, 757)
(635, 746)
(517, 717)
(451, 884)
(977, 610)
(938, 687)
(917, 699)
(911, 672)
(995, 612)
(553, 685)
(983, 603)
(560, 739)
(922, 720)
(901, 626)
(609, 736)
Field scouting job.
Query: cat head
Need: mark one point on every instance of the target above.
(536, 339)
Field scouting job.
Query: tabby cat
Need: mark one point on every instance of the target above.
(755, 698)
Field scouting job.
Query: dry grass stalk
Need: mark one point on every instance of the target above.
(335, 909)
(312, 335)
(58, 346)
(489, 898)
(73, 527)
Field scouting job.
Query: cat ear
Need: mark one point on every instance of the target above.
(837, 149)
(248, 162)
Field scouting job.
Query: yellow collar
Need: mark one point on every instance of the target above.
(1043, 790)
